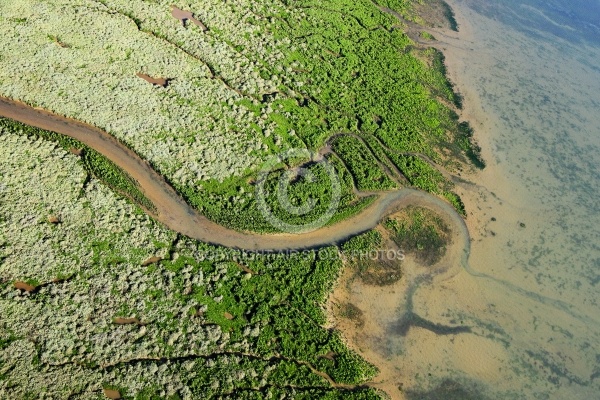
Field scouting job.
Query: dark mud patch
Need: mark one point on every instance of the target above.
(375, 259)
(353, 313)
(33, 288)
(448, 390)
(128, 321)
(380, 272)
(437, 14)
(410, 319)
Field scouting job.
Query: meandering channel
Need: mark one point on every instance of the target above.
(177, 215)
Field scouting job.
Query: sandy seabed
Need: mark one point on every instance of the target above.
(528, 292)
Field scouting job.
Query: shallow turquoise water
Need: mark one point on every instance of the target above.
(530, 72)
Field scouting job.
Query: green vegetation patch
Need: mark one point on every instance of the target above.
(146, 312)
(427, 35)
(352, 312)
(294, 193)
(263, 78)
(365, 169)
(374, 262)
(420, 232)
(420, 173)
(467, 144)
(437, 80)
(119, 298)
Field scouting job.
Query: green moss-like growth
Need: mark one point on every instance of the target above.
(420, 174)
(440, 86)
(233, 203)
(364, 243)
(374, 263)
(352, 312)
(350, 71)
(367, 173)
(449, 13)
(420, 232)
(426, 35)
(466, 143)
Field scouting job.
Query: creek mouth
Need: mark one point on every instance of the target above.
(177, 215)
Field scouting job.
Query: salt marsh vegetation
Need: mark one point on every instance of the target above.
(261, 78)
(98, 297)
(118, 302)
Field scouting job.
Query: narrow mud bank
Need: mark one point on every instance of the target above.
(177, 215)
